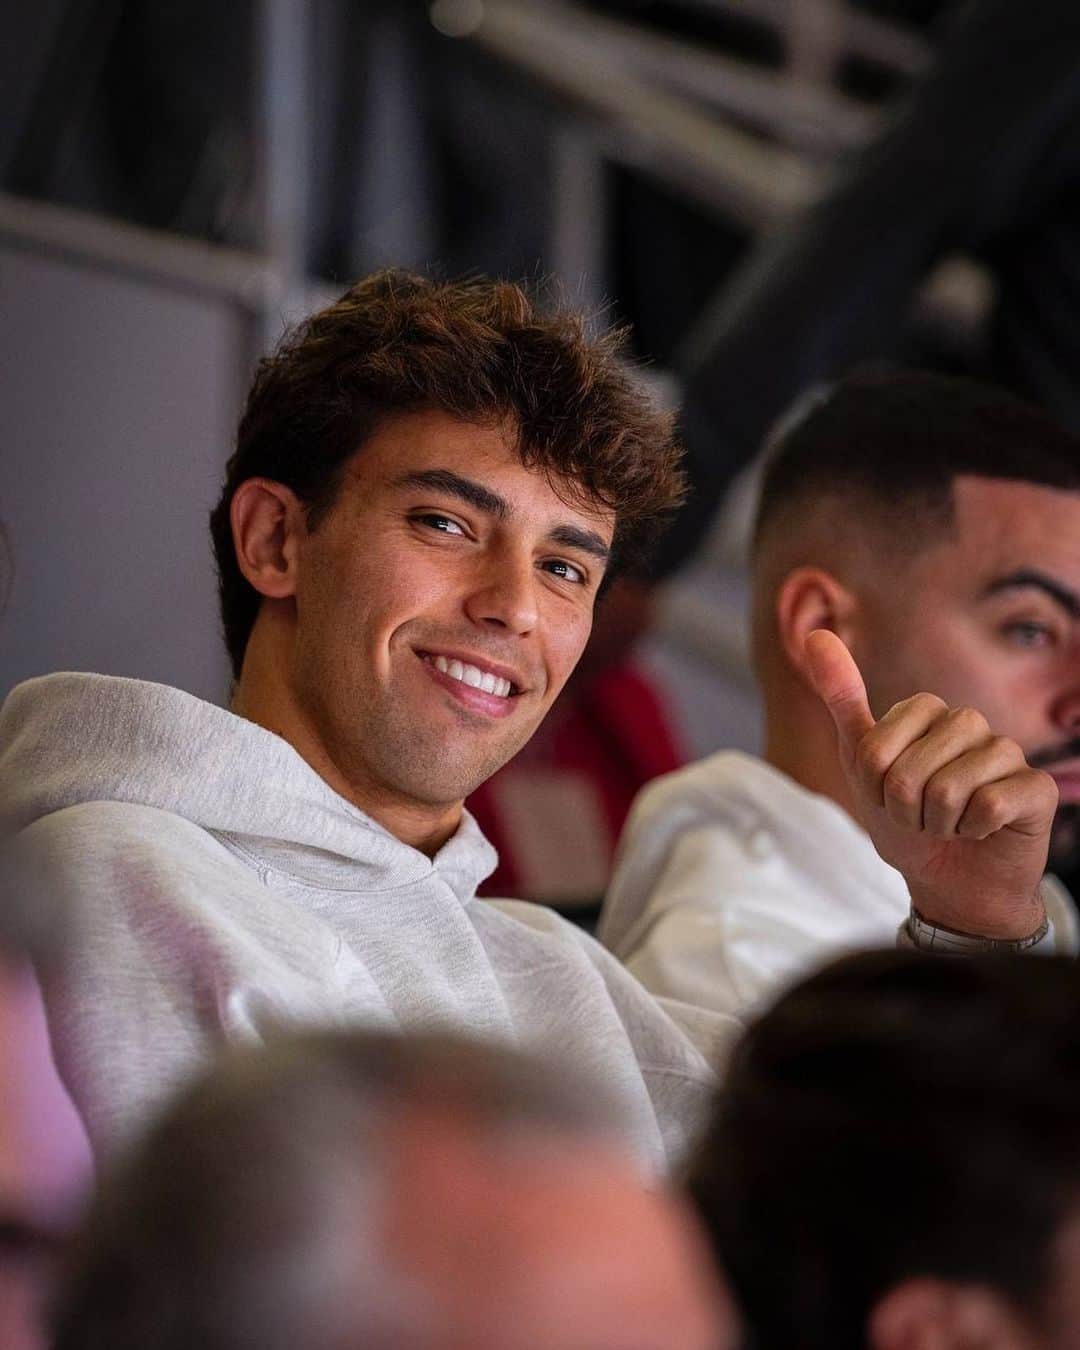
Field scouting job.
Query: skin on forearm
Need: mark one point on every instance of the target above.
(1007, 918)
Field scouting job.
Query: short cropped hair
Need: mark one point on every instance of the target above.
(895, 1116)
(483, 351)
(249, 1215)
(897, 439)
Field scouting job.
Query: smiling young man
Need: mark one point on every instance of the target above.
(428, 483)
(934, 525)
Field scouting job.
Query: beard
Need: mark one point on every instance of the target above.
(1064, 859)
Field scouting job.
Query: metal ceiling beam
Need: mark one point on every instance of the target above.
(653, 130)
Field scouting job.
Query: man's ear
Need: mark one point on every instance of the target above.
(267, 521)
(931, 1314)
(809, 598)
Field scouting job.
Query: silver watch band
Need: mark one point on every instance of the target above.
(929, 937)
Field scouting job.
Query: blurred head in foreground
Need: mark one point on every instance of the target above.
(345, 1190)
(934, 524)
(895, 1159)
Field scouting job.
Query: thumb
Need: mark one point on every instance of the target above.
(839, 685)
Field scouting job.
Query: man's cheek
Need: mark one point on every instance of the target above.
(565, 662)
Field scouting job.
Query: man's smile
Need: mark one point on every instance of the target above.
(476, 683)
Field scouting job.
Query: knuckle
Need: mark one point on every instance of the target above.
(943, 796)
(993, 805)
(872, 757)
(969, 720)
(1006, 749)
(1046, 785)
(901, 789)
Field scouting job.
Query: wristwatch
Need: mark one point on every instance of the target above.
(925, 936)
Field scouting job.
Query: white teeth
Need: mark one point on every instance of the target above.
(470, 675)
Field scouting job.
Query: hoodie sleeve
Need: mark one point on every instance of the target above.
(152, 976)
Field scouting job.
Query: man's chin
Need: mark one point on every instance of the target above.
(448, 778)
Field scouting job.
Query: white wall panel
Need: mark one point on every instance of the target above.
(118, 401)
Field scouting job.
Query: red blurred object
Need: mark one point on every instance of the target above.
(556, 810)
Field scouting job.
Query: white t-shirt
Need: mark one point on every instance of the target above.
(732, 881)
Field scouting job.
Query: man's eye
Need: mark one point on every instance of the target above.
(1028, 633)
(559, 568)
(441, 523)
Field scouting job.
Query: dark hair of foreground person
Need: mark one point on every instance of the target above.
(900, 1118)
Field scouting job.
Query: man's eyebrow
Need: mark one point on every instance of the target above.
(454, 485)
(588, 541)
(481, 497)
(1030, 578)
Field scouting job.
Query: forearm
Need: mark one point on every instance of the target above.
(1055, 933)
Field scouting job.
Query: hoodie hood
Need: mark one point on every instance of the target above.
(66, 739)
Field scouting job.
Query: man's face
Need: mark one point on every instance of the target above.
(440, 606)
(545, 1243)
(989, 616)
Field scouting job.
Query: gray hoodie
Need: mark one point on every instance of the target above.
(215, 886)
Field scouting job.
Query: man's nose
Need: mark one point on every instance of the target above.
(505, 595)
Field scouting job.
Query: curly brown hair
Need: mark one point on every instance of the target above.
(479, 350)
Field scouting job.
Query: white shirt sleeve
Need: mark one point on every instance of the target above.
(726, 919)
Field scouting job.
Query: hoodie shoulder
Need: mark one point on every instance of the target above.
(113, 850)
(111, 826)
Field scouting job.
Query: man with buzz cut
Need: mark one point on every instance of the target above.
(932, 524)
(429, 486)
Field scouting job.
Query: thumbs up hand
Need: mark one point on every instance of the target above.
(950, 805)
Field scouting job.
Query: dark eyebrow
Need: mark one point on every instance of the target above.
(465, 489)
(588, 541)
(1030, 578)
(481, 497)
